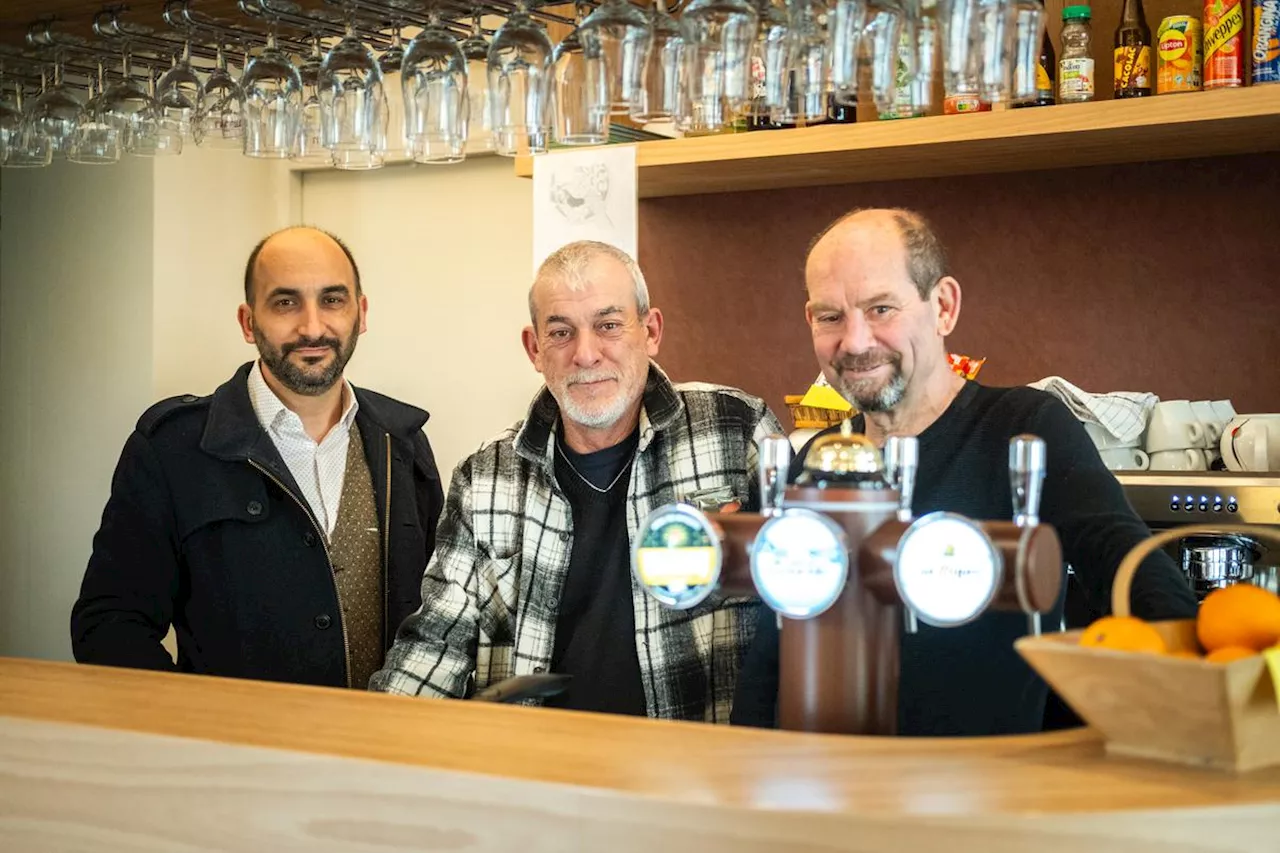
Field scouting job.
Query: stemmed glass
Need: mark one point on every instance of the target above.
(219, 119)
(618, 35)
(581, 92)
(96, 141)
(479, 121)
(520, 77)
(390, 62)
(124, 102)
(353, 103)
(10, 116)
(56, 112)
(309, 143)
(26, 146)
(153, 135)
(178, 95)
(434, 82)
(272, 102)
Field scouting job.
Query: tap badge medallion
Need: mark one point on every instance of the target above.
(677, 556)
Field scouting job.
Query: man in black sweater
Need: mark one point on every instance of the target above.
(880, 307)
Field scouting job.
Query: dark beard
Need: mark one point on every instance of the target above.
(300, 380)
(883, 398)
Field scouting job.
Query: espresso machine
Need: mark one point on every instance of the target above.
(1165, 499)
(842, 560)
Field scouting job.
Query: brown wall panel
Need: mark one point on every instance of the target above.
(1160, 277)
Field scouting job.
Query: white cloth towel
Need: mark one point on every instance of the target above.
(1124, 414)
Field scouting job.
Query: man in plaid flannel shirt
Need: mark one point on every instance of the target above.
(531, 572)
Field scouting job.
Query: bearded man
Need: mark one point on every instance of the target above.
(533, 572)
(280, 526)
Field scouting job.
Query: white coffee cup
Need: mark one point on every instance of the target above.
(1173, 426)
(1186, 459)
(1252, 443)
(1208, 417)
(1125, 459)
(1103, 439)
(1224, 410)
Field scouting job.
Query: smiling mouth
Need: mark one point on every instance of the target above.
(848, 371)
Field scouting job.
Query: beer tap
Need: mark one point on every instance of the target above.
(901, 459)
(841, 558)
(1026, 482)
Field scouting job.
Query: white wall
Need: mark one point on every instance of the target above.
(445, 259)
(211, 207)
(75, 373)
(119, 285)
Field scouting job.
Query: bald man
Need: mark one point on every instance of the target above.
(281, 525)
(881, 304)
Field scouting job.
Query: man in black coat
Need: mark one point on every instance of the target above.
(281, 526)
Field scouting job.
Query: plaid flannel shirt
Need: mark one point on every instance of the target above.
(491, 590)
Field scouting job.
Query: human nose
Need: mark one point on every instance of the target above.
(856, 336)
(586, 350)
(310, 323)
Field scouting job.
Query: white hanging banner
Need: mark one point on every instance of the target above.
(588, 194)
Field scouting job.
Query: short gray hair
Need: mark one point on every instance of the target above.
(569, 264)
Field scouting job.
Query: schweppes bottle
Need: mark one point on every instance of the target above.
(1133, 52)
(1223, 44)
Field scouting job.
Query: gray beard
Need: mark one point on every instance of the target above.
(883, 399)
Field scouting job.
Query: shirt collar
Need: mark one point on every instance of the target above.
(660, 406)
(273, 414)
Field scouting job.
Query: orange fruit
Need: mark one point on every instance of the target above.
(1123, 634)
(1227, 654)
(1240, 615)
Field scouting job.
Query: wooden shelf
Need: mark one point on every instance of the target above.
(1169, 127)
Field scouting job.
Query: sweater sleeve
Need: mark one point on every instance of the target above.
(1096, 524)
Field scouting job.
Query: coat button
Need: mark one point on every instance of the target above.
(564, 537)
(309, 539)
(538, 670)
(323, 621)
(254, 508)
(190, 398)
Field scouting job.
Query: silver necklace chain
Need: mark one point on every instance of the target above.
(626, 466)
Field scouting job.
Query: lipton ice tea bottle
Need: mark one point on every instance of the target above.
(1133, 52)
(1075, 68)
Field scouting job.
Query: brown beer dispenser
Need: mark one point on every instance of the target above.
(840, 558)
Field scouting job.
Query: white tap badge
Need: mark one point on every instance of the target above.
(587, 194)
(948, 570)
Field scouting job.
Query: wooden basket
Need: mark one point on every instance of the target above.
(1158, 706)
(813, 417)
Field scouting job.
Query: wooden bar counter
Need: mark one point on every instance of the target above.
(117, 760)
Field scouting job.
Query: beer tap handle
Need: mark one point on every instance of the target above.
(1026, 478)
(901, 461)
(775, 460)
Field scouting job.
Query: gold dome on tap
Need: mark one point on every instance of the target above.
(844, 455)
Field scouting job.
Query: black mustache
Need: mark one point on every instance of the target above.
(863, 361)
(310, 343)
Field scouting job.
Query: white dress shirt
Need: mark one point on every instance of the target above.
(319, 469)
